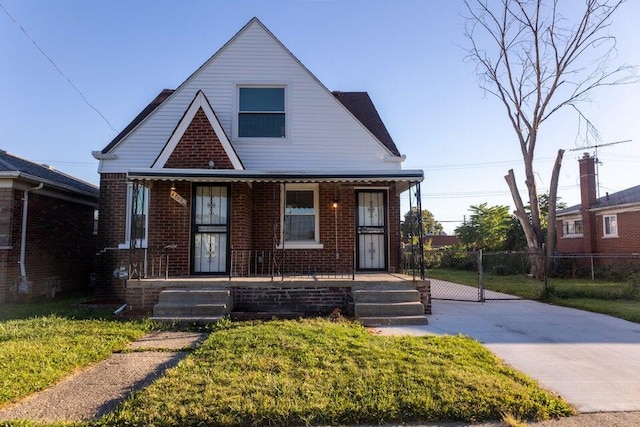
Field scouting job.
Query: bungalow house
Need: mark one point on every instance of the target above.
(250, 169)
(609, 225)
(47, 230)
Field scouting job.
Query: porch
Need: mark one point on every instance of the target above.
(374, 298)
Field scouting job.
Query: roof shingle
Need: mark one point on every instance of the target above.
(11, 163)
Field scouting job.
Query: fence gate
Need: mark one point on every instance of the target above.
(476, 276)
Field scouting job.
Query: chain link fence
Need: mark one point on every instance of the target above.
(481, 276)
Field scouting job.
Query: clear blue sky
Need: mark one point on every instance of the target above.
(406, 54)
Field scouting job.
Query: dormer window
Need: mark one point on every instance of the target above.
(261, 112)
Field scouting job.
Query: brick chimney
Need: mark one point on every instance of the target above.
(588, 198)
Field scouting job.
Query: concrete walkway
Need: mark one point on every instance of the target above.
(97, 390)
(591, 360)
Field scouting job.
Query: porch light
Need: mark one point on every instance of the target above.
(335, 203)
(173, 186)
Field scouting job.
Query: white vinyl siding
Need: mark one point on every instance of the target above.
(321, 133)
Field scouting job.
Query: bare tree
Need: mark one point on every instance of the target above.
(536, 59)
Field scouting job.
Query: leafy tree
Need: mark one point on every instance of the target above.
(486, 229)
(409, 226)
(538, 58)
(516, 240)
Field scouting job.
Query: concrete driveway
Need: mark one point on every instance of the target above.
(591, 360)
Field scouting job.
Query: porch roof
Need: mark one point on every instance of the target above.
(404, 177)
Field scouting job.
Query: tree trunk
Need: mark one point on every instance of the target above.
(551, 219)
(534, 245)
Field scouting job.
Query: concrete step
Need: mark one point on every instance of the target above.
(392, 309)
(169, 309)
(195, 295)
(394, 320)
(384, 285)
(200, 320)
(386, 296)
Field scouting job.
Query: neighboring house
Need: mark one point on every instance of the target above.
(441, 240)
(605, 225)
(47, 227)
(251, 167)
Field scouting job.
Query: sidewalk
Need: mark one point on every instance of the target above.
(97, 390)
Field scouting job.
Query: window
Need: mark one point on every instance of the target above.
(572, 227)
(137, 216)
(96, 217)
(610, 223)
(261, 112)
(300, 222)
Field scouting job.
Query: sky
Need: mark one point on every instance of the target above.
(88, 68)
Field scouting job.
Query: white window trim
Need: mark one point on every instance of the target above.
(604, 227)
(301, 244)
(572, 236)
(127, 231)
(236, 111)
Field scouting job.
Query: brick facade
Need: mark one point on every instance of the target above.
(59, 243)
(254, 231)
(255, 221)
(592, 239)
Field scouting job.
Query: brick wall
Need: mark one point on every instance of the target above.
(198, 145)
(111, 233)
(253, 220)
(628, 240)
(60, 242)
(315, 300)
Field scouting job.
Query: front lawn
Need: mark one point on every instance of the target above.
(618, 299)
(319, 372)
(42, 343)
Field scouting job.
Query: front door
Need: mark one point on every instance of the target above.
(210, 233)
(371, 230)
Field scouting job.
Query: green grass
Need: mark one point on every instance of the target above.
(618, 299)
(42, 343)
(319, 372)
(623, 309)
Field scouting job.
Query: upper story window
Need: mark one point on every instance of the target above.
(571, 227)
(261, 112)
(610, 225)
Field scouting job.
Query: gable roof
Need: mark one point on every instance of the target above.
(623, 197)
(361, 106)
(200, 101)
(357, 103)
(17, 167)
(159, 99)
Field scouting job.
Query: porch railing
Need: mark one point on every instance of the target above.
(314, 263)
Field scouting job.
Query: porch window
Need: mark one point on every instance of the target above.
(137, 215)
(610, 223)
(261, 112)
(572, 228)
(300, 222)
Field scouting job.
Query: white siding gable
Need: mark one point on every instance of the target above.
(321, 133)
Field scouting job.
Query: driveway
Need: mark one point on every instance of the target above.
(591, 360)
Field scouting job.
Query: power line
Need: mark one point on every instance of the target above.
(478, 165)
(84, 98)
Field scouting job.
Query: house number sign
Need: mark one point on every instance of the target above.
(178, 198)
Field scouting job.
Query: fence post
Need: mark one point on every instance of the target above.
(593, 273)
(480, 277)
